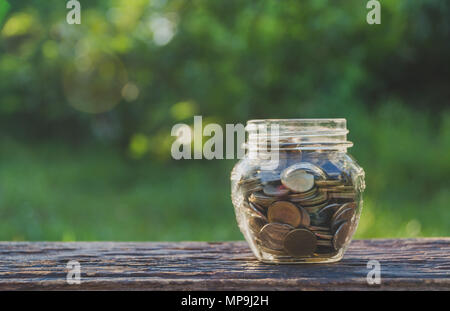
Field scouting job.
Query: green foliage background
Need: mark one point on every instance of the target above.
(86, 110)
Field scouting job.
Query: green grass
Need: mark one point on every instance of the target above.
(59, 193)
(54, 191)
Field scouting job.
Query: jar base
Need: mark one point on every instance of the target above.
(317, 259)
(301, 261)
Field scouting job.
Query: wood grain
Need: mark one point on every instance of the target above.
(406, 264)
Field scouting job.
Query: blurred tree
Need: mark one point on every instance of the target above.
(128, 66)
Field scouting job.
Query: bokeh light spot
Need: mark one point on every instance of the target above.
(130, 92)
(18, 24)
(163, 30)
(93, 82)
(182, 110)
(50, 49)
(138, 145)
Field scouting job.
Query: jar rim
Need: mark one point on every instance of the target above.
(300, 119)
(299, 134)
(337, 122)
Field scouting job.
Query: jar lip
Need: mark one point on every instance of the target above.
(304, 125)
(300, 134)
(299, 120)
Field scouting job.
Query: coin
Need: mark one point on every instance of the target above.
(313, 209)
(348, 207)
(250, 185)
(327, 243)
(284, 212)
(310, 168)
(345, 214)
(272, 251)
(298, 181)
(318, 220)
(256, 209)
(259, 210)
(301, 196)
(345, 177)
(324, 235)
(250, 189)
(272, 235)
(342, 189)
(306, 220)
(276, 190)
(325, 251)
(317, 228)
(325, 232)
(328, 210)
(335, 225)
(342, 195)
(261, 199)
(341, 236)
(248, 181)
(320, 198)
(255, 223)
(329, 183)
(300, 242)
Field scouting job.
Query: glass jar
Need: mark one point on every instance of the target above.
(297, 193)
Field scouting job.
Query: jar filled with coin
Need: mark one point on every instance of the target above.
(297, 193)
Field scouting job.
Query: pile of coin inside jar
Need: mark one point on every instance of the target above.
(299, 211)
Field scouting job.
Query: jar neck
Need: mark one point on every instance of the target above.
(297, 134)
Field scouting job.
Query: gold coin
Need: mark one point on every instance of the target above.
(261, 199)
(329, 183)
(272, 235)
(284, 212)
(255, 223)
(300, 242)
(342, 195)
(247, 181)
(276, 190)
(342, 235)
(339, 189)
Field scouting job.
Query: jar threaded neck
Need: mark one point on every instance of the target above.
(297, 134)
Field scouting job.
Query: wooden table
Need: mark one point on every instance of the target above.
(406, 264)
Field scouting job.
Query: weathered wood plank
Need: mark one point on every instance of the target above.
(418, 264)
